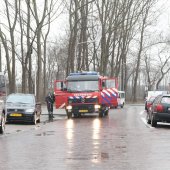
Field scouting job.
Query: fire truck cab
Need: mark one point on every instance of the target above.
(86, 92)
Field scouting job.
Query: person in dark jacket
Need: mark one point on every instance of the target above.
(50, 99)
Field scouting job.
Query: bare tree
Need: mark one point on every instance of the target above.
(164, 69)
(11, 24)
(143, 27)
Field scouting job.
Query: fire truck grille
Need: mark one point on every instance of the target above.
(89, 108)
(83, 100)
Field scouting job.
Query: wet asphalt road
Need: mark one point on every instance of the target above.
(121, 141)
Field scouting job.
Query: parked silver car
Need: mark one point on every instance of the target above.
(22, 108)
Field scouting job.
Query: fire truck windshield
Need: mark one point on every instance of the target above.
(83, 86)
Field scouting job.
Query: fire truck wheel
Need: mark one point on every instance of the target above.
(101, 114)
(69, 115)
(106, 113)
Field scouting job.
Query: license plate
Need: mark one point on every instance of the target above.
(82, 111)
(16, 114)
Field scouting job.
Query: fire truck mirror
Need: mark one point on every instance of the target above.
(103, 84)
(64, 89)
(63, 86)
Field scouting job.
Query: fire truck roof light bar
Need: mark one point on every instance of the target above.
(84, 73)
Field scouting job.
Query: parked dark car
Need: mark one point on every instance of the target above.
(22, 108)
(159, 111)
(149, 102)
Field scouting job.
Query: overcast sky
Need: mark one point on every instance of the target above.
(61, 24)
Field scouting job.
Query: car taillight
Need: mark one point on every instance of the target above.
(159, 108)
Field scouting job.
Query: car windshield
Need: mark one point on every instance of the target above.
(25, 99)
(166, 100)
(82, 86)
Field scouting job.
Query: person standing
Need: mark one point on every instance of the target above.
(50, 99)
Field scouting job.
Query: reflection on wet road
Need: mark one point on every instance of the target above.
(121, 141)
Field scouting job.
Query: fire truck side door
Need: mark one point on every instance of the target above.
(60, 93)
(109, 92)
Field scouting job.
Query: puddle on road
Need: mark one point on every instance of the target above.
(47, 133)
(94, 157)
(18, 130)
(104, 155)
(120, 147)
(78, 158)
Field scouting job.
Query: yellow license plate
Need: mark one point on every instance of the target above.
(16, 114)
(82, 111)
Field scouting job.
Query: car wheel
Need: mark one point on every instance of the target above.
(148, 118)
(100, 113)
(122, 105)
(2, 127)
(153, 121)
(69, 115)
(106, 112)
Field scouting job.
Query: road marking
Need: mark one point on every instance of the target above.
(142, 112)
(144, 121)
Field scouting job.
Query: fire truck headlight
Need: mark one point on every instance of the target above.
(69, 107)
(97, 106)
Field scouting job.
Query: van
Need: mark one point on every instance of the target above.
(121, 98)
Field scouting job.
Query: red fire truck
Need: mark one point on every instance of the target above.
(86, 92)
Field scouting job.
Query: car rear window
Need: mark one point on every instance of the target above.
(166, 100)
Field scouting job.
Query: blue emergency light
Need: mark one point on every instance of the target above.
(84, 73)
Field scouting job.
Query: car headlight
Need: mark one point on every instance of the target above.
(29, 110)
(97, 106)
(69, 107)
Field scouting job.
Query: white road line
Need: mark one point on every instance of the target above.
(144, 121)
(142, 112)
